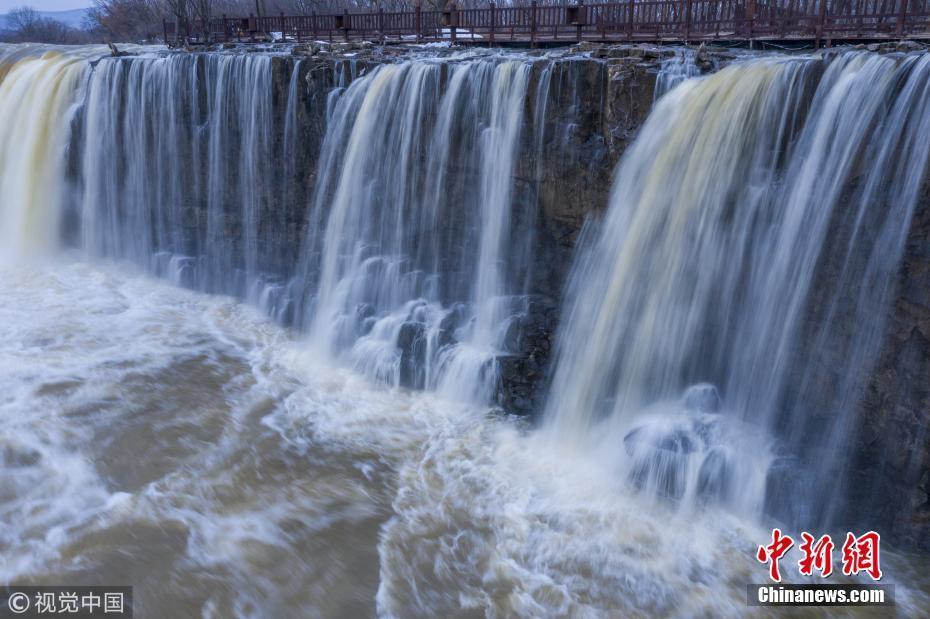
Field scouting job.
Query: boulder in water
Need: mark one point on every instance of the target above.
(17, 457)
(702, 398)
(365, 318)
(714, 475)
(675, 440)
(450, 323)
(661, 454)
(411, 340)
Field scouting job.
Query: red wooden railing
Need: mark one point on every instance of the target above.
(627, 20)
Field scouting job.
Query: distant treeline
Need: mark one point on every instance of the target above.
(27, 25)
(141, 20)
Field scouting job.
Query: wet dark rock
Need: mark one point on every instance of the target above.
(892, 464)
(910, 46)
(714, 476)
(365, 318)
(514, 336)
(16, 457)
(707, 427)
(784, 479)
(452, 321)
(663, 470)
(524, 370)
(702, 398)
(706, 61)
(411, 340)
(677, 440)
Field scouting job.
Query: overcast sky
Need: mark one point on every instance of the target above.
(45, 5)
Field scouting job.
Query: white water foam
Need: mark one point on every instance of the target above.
(184, 444)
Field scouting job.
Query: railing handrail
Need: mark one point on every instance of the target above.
(626, 20)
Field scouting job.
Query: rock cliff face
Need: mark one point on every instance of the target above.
(893, 437)
(590, 114)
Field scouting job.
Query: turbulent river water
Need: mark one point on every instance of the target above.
(160, 434)
(185, 445)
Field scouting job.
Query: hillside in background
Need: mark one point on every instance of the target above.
(73, 18)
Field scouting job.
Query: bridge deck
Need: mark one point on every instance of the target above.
(627, 21)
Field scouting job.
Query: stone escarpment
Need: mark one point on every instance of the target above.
(886, 481)
(591, 113)
(893, 435)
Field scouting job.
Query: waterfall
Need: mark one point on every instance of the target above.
(178, 167)
(719, 326)
(409, 268)
(743, 326)
(38, 94)
(675, 70)
(719, 323)
(415, 190)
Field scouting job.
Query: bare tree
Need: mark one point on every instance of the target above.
(178, 11)
(25, 24)
(203, 11)
(23, 19)
(130, 20)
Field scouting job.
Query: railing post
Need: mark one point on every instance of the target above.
(381, 24)
(820, 19)
(283, 29)
(253, 25)
(313, 26)
(581, 19)
(687, 20)
(453, 22)
(630, 22)
(533, 23)
(493, 20)
(164, 30)
(902, 15)
(750, 18)
(416, 22)
(345, 24)
(783, 20)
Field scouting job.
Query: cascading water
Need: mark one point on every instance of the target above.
(757, 207)
(675, 70)
(415, 189)
(32, 142)
(408, 260)
(191, 209)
